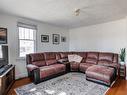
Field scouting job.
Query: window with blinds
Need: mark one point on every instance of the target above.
(27, 39)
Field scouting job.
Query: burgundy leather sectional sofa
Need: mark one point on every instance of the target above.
(99, 67)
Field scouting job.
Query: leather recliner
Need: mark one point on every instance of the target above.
(42, 66)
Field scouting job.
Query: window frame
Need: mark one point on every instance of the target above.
(34, 40)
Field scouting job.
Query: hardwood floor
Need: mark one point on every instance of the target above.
(18, 83)
(119, 88)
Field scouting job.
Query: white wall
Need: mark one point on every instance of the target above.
(10, 22)
(109, 37)
(49, 46)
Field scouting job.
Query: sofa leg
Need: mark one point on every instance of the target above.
(36, 74)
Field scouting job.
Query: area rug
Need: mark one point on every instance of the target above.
(68, 84)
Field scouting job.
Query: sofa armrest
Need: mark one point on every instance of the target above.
(36, 75)
(31, 67)
(34, 72)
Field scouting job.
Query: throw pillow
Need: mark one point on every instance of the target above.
(75, 58)
(78, 58)
(71, 58)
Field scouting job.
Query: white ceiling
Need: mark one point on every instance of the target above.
(61, 12)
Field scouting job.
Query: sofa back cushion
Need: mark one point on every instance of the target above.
(49, 55)
(106, 57)
(38, 59)
(58, 55)
(92, 57)
(51, 62)
(50, 58)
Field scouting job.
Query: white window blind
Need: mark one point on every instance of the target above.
(27, 39)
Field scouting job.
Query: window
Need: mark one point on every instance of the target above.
(27, 39)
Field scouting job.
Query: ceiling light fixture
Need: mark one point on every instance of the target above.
(77, 12)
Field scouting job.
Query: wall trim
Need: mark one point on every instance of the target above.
(21, 76)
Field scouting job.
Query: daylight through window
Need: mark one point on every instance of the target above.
(27, 39)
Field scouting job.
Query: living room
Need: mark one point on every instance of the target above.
(64, 26)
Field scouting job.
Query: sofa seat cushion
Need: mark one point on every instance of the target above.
(101, 73)
(59, 67)
(116, 66)
(46, 71)
(39, 63)
(74, 66)
(84, 66)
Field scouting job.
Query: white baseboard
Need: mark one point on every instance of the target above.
(21, 76)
